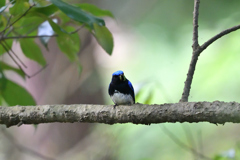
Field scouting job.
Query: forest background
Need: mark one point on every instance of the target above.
(152, 45)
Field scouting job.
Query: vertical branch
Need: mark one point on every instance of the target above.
(195, 44)
(196, 52)
(198, 49)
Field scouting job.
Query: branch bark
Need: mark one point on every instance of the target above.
(212, 112)
(195, 54)
(195, 44)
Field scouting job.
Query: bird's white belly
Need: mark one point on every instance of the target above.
(119, 98)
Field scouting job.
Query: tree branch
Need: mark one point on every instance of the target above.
(197, 50)
(195, 54)
(195, 44)
(212, 112)
(19, 37)
(39, 36)
(14, 60)
(9, 48)
(219, 35)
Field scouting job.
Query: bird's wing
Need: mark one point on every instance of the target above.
(130, 85)
(132, 93)
(109, 88)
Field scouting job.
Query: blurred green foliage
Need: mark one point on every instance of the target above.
(159, 56)
(21, 24)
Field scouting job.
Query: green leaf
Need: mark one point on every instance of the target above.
(2, 80)
(218, 157)
(77, 14)
(41, 3)
(46, 10)
(19, 7)
(94, 10)
(5, 66)
(3, 22)
(29, 24)
(69, 43)
(1, 101)
(56, 27)
(2, 3)
(64, 18)
(32, 50)
(7, 47)
(104, 38)
(15, 94)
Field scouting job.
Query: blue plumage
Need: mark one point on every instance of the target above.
(120, 89)
(117, 73)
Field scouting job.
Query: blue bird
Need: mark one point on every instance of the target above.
(120, 89)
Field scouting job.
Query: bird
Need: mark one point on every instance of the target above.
(121, 90)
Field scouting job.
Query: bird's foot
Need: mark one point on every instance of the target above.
(114, 106)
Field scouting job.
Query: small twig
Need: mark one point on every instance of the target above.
(8, 32)
(9, 19)
(219, 35)
(13, 59)
(23, 148)
(19, 37)
(189, 137)
(181, 144)
(2, 33)
(36, 36)
(29, 76)
(18, 18)
(77, 29)
(38, 71)
(200, 141)
(14, 53)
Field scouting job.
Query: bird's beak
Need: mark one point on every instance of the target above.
(122, 77)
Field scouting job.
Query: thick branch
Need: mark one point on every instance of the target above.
(213, 112)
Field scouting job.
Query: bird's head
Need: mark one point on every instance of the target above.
(118, 76)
